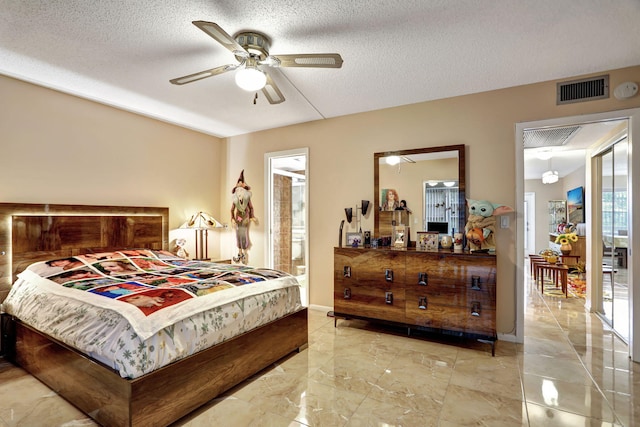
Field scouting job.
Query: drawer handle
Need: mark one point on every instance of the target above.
(422, 303)
(346, 271)
(475, 283)
(475, 309)
(422, 279)
(347, 293)
(388, 297)
(388, 275)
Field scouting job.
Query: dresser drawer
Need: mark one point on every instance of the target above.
(480, 319)
(369, 266)
(430, 315)
(375, 302)
(450, 270)
(473, 318)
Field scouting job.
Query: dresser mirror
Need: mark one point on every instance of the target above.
(431, 183)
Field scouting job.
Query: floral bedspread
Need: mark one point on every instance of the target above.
(138, 310)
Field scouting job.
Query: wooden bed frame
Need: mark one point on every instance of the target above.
(30, 233)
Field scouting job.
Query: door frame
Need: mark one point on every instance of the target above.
(633, 116)
(530, 218)
(268, 157)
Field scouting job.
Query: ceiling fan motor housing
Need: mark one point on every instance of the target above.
(255, 43)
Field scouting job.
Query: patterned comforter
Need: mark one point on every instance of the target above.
(138, 310)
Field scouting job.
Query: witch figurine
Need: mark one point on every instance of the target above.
(241, 217)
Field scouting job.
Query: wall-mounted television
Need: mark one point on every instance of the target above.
(575, 205)
(440, 227)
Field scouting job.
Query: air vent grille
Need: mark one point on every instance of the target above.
(583, 90)
(554, 137)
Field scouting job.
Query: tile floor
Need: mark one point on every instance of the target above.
(570, 371)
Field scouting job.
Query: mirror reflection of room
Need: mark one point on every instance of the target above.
(426, 187)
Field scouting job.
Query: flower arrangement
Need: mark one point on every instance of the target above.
(565, 238)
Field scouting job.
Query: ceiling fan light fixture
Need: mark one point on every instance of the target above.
(250, 79)
(393, 160)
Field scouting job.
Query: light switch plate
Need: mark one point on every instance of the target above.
(504, 221)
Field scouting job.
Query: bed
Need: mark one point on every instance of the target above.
(33, 233)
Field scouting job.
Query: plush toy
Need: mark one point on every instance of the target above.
(481, 224)
(180, 249)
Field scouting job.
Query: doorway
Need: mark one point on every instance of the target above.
(287, 215)
(593, 233)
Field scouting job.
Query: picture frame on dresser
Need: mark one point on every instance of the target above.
(400, 236)
(421, 240)
(428, 240)
(353, 239)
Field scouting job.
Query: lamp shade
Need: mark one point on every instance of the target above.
(202, 221)
(250, 79)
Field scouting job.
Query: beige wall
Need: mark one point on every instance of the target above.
(58, 148)
(341, 164)
(544, 193)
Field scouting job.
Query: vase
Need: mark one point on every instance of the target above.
(565, 248)
(458, 242)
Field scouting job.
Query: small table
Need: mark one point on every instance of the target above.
(559, 272)
(535, 260)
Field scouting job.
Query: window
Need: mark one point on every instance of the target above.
(441, 204)
(614, 210)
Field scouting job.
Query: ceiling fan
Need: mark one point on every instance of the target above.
(251, 49)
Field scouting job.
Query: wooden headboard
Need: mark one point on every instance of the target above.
(35, 232)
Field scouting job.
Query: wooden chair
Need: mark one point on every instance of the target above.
(619, 258)
(608, 270)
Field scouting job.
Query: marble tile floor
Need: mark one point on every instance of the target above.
(570, 371)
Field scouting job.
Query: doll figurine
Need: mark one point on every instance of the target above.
(241, 217)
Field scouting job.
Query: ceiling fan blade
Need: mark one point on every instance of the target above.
(222, 37)
(203, 74)
(319, 60)
(272, 92)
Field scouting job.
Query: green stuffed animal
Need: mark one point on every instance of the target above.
(481, 224)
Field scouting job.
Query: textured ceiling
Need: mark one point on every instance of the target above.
(570, 156)
(395, 52)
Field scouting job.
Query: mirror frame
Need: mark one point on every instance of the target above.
(461, 178)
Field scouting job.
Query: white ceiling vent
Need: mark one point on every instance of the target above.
(553, 137)
(582, 90)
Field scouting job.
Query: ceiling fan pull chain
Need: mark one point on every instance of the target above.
(255, 98)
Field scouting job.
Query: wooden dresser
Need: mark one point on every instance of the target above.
(445, 292)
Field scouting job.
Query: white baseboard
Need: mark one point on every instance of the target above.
(320, 308)
(509, 338)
